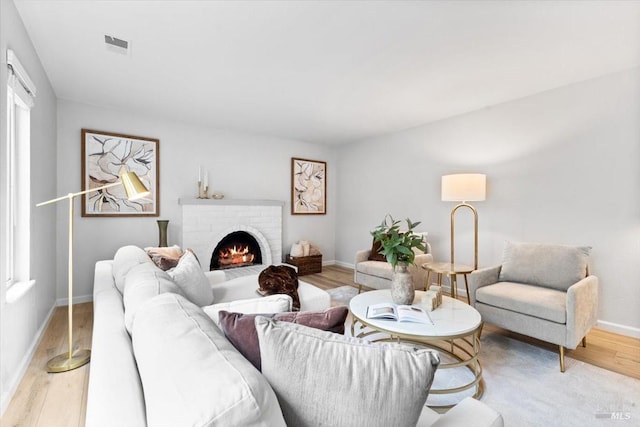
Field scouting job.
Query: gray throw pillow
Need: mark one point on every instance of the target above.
(551, 266)
(325, 379)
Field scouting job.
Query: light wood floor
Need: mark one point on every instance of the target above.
(57, 400)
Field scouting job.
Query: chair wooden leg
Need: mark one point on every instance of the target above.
(584, 341)
(561, 358)
(359, 288)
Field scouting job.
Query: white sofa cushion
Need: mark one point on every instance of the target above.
(278, 303)
(142, 283)
(114, 395)
(191, 374)
(194, 284)
(124, 260)
(322, 378)
(312, 298)
(551, 266)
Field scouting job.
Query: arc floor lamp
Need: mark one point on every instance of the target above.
(135, 189)
(464, 187)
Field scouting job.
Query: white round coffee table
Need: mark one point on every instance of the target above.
(455, 333)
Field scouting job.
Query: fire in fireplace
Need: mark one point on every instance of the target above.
(237, 249)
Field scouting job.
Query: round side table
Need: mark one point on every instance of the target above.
(455, 334)
(451, 270)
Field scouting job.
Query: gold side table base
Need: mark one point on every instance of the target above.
(64, 363)
(464, 350)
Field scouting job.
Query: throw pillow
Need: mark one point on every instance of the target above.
(189, 276)
(191, 375)
(142, 283)
(124, 260)
(551, 266)
(165, 258)
(375, 255)
(280, 279)
(240, 329)
(321, 378)
(272, 304)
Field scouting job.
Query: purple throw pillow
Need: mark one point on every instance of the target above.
(240, 329)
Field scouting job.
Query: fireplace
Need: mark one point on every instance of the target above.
(237, 249)
(206, 222)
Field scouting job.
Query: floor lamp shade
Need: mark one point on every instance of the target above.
(464, 187)
(74, 359)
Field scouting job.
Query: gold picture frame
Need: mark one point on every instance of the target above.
(104, 155)
(308, 187)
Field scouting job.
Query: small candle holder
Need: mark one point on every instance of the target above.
(203, 191)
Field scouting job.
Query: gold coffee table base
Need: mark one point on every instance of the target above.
(462, 349)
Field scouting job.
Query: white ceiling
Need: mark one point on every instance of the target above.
(325, 71)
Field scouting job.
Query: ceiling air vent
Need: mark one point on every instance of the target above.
(117, 45)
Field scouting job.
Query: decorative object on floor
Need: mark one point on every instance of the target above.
(217, 196)
(162, 230)
(540, 290)
(306, 257)
(308, 187)
(105, 156)
(464, 187)
(134, 190)
(203, 184)
(398, 248)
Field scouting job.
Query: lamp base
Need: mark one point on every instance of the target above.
(64, 363)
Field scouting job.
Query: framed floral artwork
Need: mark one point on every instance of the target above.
(308, 187)
(104, 156)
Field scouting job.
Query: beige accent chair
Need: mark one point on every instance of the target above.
(540, 290)
(378, 274)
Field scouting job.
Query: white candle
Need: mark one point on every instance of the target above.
(199, 173)
(206, 178)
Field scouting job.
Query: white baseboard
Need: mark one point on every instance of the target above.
(629, 331)
(344, 264)
(76, 300)
(5, 399)
(330, 262)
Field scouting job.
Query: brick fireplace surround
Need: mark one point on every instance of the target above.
(207, 221)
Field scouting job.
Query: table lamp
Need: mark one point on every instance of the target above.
(464, 187)
(135, 190)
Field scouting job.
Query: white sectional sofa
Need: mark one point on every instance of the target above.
(172, 365)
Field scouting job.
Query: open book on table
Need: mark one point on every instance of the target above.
(401, 313)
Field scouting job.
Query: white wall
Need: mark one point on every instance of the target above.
(562, 166)
(241, 166)
(22, 321)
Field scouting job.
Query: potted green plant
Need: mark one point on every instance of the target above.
(398, 248)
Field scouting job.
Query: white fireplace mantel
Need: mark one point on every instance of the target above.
(230, 202)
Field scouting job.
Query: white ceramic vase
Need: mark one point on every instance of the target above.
(402, 290)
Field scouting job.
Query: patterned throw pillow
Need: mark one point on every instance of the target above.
(165, 258)
(240, 329)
